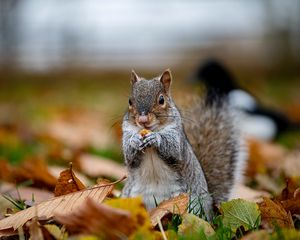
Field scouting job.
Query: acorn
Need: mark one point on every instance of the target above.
(144, 132)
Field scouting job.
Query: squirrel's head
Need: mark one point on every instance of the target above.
(150, 100)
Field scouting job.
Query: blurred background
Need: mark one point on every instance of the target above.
(65, 65)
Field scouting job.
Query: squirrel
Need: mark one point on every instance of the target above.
(202, 157)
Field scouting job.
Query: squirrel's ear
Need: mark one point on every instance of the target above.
(134, 77)
(166, 79)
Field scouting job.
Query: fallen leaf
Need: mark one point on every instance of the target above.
(244, 192)
(288, 191)
(284, 233)
(56, 232)
(267, 183)
(291, 164)
(56, 170)
(80, 128)
(62, 204)
(293, 110)
(273, 214)
(98, 219)
(292, 205)
(288, 234)
(257, 235)
(175, 205)
(290, 197)
(95, 166)
(140, 217)
(239, 212)
(192, 225)
(135, 206)
(263, 156)
(35, 230)
(120, 221)
(4, 170)
(67, 183)
(26, 193)
(36, 170)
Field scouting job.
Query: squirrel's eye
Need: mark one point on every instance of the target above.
(161, 100)
(130, 102)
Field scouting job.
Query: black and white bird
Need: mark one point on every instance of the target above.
(255, 119)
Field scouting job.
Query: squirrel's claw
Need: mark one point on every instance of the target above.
(151, 139)
(136, 141)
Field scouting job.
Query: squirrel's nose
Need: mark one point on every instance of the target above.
(143, 119)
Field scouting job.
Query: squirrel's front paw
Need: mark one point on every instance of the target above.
(136, 142)
(151, 139)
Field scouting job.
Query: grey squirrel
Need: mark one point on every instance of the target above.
(202, 157)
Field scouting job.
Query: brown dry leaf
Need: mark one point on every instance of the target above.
(35, 230)
(273, 214)
(95, 166)
(267, 183)
(26, 193)
(67, 183)
(291, 164)
(7, 233)
(62, 204)
(5, 170)
(288, 191)
(244, 192)
(293, 110)
(35, 170)
(263, 156)
(56, 170)
(175, 205)
(80, 128)
(290, 197)
(292, 205)
(99, 219)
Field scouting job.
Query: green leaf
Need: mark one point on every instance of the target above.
(192, 225)
(239, 212)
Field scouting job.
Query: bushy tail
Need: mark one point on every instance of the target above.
(216, 143)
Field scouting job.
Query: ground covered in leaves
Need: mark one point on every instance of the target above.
(61, 169)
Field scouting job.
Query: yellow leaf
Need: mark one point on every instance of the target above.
(56, 232)
(192, 225)
(139, 214)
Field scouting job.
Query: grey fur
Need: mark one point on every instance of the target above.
(217, 144)
(164, 164)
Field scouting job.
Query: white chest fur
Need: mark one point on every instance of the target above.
(154, 179)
